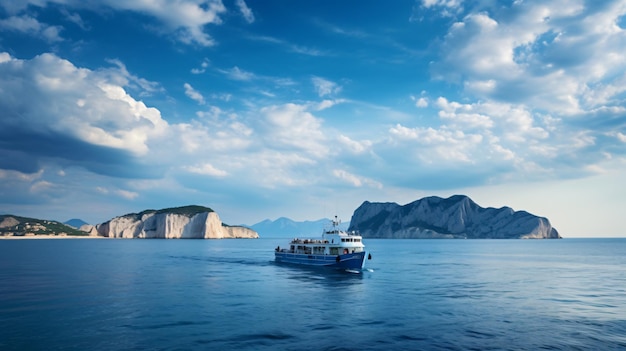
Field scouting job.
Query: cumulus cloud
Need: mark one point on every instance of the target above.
(293, 126)
(543, 86)
(214, 135)
(551, 56)
(499, 141)
(443, 144)
(420, 102)
(72, 113)
(184, 19)
(445, 8)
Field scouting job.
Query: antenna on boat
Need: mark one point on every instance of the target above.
(336, 223)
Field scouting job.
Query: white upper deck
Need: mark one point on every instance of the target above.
(333, 237)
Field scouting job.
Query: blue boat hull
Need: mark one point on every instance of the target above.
(347, 261)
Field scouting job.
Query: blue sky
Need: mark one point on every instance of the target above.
(305, 109)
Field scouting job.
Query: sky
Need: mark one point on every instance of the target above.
(263, 109)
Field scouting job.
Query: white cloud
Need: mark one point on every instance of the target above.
(74, 18)
(5, 57)
(246, 12)
(122, 77)
(291, 125)
(7, 175)
(355, 180)
(32, 26)
(463, 115)
(127, 194)
(439, 145)
(481, 87)
(442, 3)
(325, 104)
(325, 87)
(193, 94)
(212, 136)
(77, 102)
(355, 146)
(41, 186)
(206, 169)
(236, 73)
(446, 8)
(185, 19)
(551, 55)
(203, 66)
(420, 102)
(299, 49)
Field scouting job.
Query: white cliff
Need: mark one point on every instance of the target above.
(90, 229)
(455, 217)
(177, 223)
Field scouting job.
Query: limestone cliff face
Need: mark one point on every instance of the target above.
(167, 225)
(455, 217)
(90, 229)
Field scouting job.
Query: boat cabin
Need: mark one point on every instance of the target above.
(333, 242)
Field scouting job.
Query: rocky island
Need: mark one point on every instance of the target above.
(187, 222)
(457, 217)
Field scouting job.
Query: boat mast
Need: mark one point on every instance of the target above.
(336, 223)
(335, 230)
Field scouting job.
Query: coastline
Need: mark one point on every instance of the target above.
(47, 236)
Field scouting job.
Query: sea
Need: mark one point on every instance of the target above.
(139, 294)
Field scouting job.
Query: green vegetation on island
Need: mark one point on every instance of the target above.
(24, 226)
(188, 211)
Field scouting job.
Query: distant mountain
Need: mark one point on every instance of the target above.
(75, 222)
(457, 217)
(285, 227)
(11, 225)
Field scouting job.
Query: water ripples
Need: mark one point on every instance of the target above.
(229, 294)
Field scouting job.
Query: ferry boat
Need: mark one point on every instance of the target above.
(336, 248)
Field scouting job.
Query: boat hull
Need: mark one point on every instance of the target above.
(348, 261)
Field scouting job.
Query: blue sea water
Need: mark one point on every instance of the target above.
(229, 295)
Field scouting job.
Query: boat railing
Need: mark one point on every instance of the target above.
(339, 232)
(308, 241)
